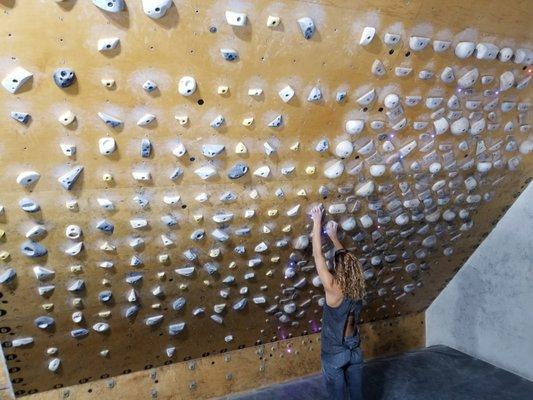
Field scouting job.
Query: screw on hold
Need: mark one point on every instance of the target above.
(192, 385)
(153, 374)
(227, 358)
(229, 376)
(110, 383)
(153, 392)
(260, 351)
(191, 365)
(262, 367)
(66, 393)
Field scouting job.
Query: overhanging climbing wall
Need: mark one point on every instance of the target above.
(204, 136)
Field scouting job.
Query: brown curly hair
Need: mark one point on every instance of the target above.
(348, 274)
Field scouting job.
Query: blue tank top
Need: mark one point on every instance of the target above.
(333, 323)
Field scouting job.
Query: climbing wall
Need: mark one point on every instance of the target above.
(158, 161)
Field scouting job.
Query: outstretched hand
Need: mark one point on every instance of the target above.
(331, 229)
(316, 214)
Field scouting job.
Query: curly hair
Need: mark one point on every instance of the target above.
(348, 274)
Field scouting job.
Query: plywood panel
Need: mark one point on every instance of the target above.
(42, 36)
(245, 369)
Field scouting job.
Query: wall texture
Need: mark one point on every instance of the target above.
(414, 150)
(486, 310)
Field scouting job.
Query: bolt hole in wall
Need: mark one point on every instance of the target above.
(403, 188)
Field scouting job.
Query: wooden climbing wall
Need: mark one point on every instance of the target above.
(42, 36)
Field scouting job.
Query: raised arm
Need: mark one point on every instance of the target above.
(320, 262)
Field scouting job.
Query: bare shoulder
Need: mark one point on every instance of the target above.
(334, 297)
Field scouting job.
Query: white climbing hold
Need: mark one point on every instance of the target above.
(263, 171)
(107, 146)
(334, 170)
(113, 6)
(367, 35)
(146, 119)
(464, 49)
(307, 26)
(366, 189)
(187, 86)
(156, 9)
(28, 178)
(391, 39)
(205, 172)
(235, 18)
(367, 98)
(417, 43)
(16, 79)
(67, 118)
(108, 44)
(354, 127)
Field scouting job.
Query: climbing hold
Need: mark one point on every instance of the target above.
(307, 26)
(21, 117)
(156, 9)
(16, 79)
(367, 35)
(107, 44)
(235, 18)
(112, 6)
(64, 77)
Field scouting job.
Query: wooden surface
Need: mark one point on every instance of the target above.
(245, 369)
(42, 36)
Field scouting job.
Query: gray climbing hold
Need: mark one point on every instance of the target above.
(7, 276)
(242, 231)
(146, 148)
(179, 303)
(68, 179)
(228, 197)
(105, 226)
(45, 290)
(79, 333)
(211, 268)
(105, 296)
(134, 278)
(22, 342)
(21, 117)
(307, 26)
(32, 249)
(101, 327)
(44, 322)
(43, 274)
(131, 311)
(198, 234)
(175, 329)
(239, 305)
(76, 286)
(64, 77)
(185, 271)
(29, 205)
